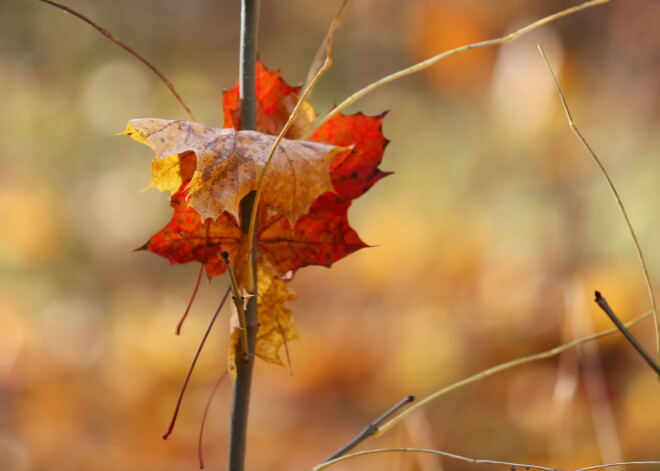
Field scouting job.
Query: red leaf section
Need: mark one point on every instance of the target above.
(356, 172)
(275, 101)
(320, 237)
(187, 239)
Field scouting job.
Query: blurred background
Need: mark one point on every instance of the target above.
(489, 239)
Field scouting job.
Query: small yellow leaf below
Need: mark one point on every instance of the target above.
(276, 324)
(229, 163)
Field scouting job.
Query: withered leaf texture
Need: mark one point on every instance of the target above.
(302, 217)
(228, 165)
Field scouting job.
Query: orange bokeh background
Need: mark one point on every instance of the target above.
(489, 240)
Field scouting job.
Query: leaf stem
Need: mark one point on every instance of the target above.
(128, 49)
(170, 428)
(179, 324)
(617, 198)
(200, 454)
(245, 364)
(431, 61)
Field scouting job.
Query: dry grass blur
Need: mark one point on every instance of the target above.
(489, 239)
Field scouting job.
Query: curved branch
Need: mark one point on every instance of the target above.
(128, 49)
(429, 62)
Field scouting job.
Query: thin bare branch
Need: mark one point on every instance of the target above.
(371, 429)
(467, 460)
(496, 369)
(179, 324)
(602, 303)
(168, 432)
(128, 49)
(433, 60)
(615, 193)
(612, 465)
(200, 438)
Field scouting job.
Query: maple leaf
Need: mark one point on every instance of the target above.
(187, 239)
(276, 100)
(290, 234)
(229, 163)
(321, 236)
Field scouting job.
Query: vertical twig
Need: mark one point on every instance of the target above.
(248, 64)
(252, 230)
(244, 363)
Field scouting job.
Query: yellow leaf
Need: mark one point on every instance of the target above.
(229, 163)
(276, 324)
(169, 173)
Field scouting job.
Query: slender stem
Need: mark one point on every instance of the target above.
(179, 325)
(200, 453)
(170, 428)
(239, 303)
(128, 49)
(371, 429)
(245, 364)
(472, 460)
(429, 62)
(327, 464)
(602, 303)
(248, 64)
(619, 202)
(292, 117)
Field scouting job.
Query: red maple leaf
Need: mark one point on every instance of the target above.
(322, 236)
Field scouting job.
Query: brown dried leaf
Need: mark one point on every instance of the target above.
(229, 163)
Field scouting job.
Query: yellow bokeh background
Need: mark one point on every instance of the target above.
(488, 240)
